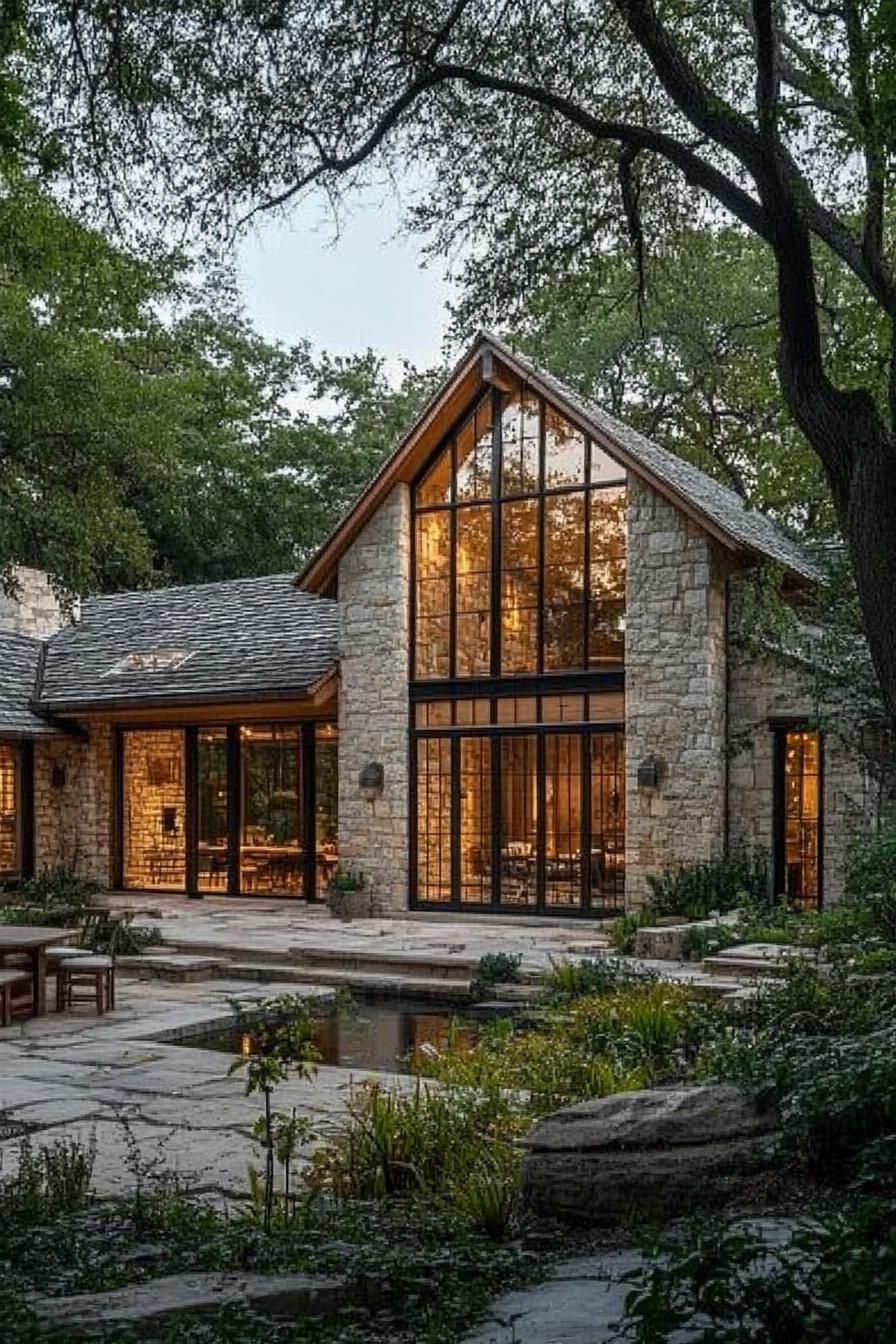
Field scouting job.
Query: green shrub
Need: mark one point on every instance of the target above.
(132, 939)
(695, 891)
(876, 961)
(871, 863)
(495, 968)
(55, 896)
(49, 1181)
(704, 940)
(566, 980)
(621, 932)
(833, 1283)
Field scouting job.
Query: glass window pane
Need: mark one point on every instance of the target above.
(435, 488)
(475, 820)
(518, 709)
(606, 637)
(434, 819)
(563, 820)
(212, 817)
(564, 452)
(607, 707)
(271, 855)
(562, 708)
(474, 454)
(519, 445)
(802, 832)
(564, 579)
(519, 810)
(154, 799)
(10, 812)
(519, 586)
(436, 714)
(326, 803)
(473, 591)
(607, 821)
(604, 468)
(433, 595)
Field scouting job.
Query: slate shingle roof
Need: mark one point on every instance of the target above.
(19, 659)
(716, 502)
(244, 637)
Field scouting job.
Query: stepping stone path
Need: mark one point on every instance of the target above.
(86, 1314)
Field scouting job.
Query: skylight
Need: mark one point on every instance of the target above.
(150, 660)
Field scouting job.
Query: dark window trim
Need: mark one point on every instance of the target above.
(26, 809)
(502, 688)
(780, 727)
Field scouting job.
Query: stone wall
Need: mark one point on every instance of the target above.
(675, 690)
(763, 689)
(374, 593)
(34, 608)
(73, 820)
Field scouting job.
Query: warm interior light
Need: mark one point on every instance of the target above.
(245, 1044)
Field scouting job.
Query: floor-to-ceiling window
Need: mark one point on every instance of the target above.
(235, 808)
(517, 665)
(798, 858)
(10, 812)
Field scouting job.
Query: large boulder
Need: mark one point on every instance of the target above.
(655, 1153)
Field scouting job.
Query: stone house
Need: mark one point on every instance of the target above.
(506, 682)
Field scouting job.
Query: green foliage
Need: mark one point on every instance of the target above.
(50, 1181)
(637, 1034)
(450, 1147)
(495, 968)
(871, 865)
(704, 940)
(57, 891)
(566, 980)
(346, 880)
(834, 1282)
(623, 929)
(132, 939)
(716, 886)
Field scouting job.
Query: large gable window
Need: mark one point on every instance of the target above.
(519, 547)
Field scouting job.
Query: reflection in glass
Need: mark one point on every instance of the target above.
(564, 581)
(434, 819)
(270, 843)
(519, 586)
(433, 594)
(10, 843)
(475, 820)
(606, 628)
(474, 454)
(473, 591)
(564, 452)
(435, 488)
(326, 802)
(212, 817)
(802, 790)
(519, 813)
(154, 809)
(519, 445)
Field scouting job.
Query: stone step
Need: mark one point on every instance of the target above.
(749, 960)
(375, 984)
(147, 1304)
(177, 966)
(424, 964)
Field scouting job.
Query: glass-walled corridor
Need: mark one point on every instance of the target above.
(234, 809)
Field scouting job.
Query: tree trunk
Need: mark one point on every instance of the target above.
(869, 521)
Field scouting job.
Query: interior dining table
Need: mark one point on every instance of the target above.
(32, 940)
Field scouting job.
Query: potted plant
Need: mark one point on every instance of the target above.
(347, 895)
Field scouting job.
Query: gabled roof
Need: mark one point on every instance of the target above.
(719, 510)
(20, 657)
(237, 640)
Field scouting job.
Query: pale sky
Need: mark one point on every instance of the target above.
(365, 289)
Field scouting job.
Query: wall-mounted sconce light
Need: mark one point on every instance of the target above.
(57, 777)
(370, 780)
(651, 772)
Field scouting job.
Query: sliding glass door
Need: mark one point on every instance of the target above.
(523, 820)
(233, 809)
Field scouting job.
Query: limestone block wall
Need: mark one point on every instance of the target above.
(34, 609)
(675, 693)
(374, 603)
(73, 820)
(762, 690)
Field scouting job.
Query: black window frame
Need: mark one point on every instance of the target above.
(780, 730)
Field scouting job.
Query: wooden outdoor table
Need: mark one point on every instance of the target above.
(33, 940)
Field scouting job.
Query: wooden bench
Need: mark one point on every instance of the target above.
(9, 978)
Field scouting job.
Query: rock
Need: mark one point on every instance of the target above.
(158, 1299)
(654, 1153)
